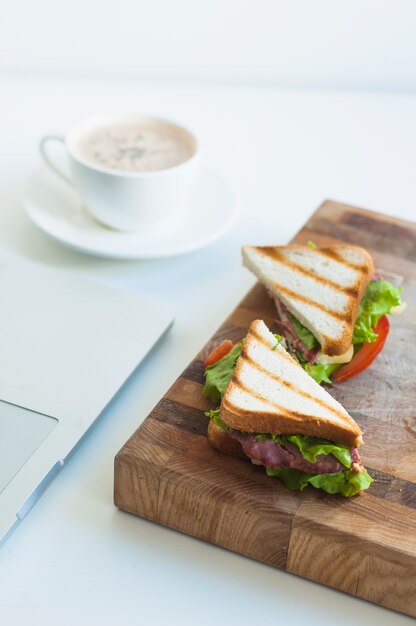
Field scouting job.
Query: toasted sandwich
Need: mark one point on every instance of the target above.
(275, 415)
(331, 306)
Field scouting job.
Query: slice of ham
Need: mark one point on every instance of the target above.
(287, 330)
(274, 455)
(285, 326)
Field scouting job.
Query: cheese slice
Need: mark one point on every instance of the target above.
(324, 359)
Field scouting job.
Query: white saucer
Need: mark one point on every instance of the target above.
(56, 209)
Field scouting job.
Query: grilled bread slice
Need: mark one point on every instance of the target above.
(321, 287)
(271, 393)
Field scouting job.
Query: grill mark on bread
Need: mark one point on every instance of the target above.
(333, 254)
(293, 387)
(350, 292)
(284, 411)
(345, 316)
(275, 254)
(262, 340)
(238, 382)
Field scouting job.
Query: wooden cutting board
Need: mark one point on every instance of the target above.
(366, 545)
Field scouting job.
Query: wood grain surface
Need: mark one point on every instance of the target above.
(366, 545)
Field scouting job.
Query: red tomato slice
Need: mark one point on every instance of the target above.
(220, 351)
(365, 355)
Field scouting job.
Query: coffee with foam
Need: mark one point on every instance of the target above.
(139, 146)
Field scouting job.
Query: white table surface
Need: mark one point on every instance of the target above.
(76, 558)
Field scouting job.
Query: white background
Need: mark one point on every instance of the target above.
(343, 127)
(359, 44)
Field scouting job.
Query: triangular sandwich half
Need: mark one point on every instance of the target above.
(273, 413)
(321, 287)
(332, 308)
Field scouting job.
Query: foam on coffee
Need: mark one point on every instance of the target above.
(139, 146)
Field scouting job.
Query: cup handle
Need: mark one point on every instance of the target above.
(49, 162)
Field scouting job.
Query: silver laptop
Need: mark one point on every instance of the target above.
(66, 346)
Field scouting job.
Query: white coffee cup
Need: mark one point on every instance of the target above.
(145, 201)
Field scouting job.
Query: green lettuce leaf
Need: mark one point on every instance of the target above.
(214, 415)
(293, 479)
(347, 483)
(379, 298)
(307, 338)
(267, 437)
(278, 340)
(219, 374)
(320, 373)
(311, 447)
